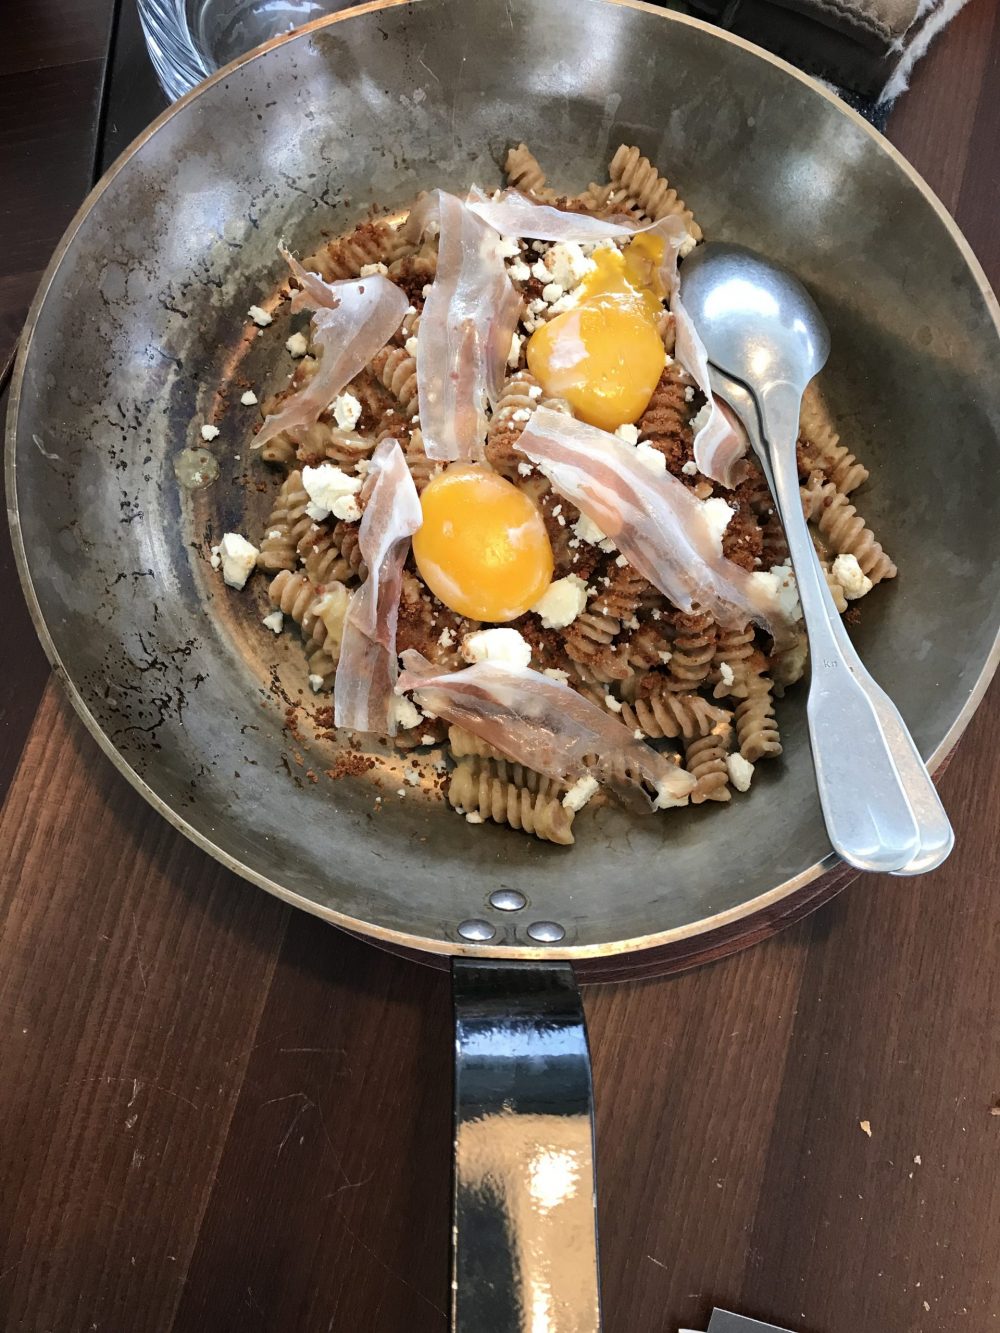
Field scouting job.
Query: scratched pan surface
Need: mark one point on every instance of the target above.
(140, 322)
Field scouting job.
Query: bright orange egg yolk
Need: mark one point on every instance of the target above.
(482, 547)
(605, 355)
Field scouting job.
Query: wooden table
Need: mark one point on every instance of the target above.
(218, 1114)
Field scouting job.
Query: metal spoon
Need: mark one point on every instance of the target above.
(766, 340)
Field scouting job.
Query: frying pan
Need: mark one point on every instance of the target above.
(137, 336)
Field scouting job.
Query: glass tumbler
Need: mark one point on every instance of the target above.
(190, 39)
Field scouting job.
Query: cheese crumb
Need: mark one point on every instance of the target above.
(447, 637)
(331, 491)
(689, 393)
(588, 531)
(369, 270)
(249, 398)
(664, 656)
(612, 703)
(508, 247)
(561, 602)
(346, 410)
(628, 433)
(237, 557)
(411, 345)
(274, 622)
(851, 577)
(505, 646)
(701, 418)
(551, 293)
(519, 271)
(315, 683)
(474, 817)
(650, 458)
(556, 673)
(516, 343)
(567, 264)
(580, 793)
(412, 776)
(665, 798)
(524, 469)
(740, 771)
(690, 468)
(209, 432)
(717, 515)
(726, 672)
(404, 713)
(534, 391)
(522, 414)
(427, 739)
(297, 345)
(260, 317)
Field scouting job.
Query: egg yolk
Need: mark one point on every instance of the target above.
(482, 547)
(605, 355)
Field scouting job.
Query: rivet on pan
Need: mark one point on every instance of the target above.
(546, 932)
(474, 929)
(507, 900)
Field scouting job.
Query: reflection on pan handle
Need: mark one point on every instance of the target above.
(524, 1228)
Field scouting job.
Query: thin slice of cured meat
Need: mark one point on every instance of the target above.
(466, 328)
(368, 312)
(662, 529)
(549, 727)
(720, 445)
(367, 669)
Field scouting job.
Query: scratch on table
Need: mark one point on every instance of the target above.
(388, 1267)
(307, 1104)
(424, 65)
(136, 1083)
(7, 1271)
(657, 1262)
(312, 1050)
(349, 1184)
(138, 955)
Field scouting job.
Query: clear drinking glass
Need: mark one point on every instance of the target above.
(190, 39)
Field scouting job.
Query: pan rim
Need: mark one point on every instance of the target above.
(372, 930)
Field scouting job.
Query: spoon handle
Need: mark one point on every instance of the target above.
(881, 809)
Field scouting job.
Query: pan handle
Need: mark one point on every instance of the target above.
(524, 1225)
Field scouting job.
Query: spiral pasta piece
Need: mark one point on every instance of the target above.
(286, 526)
(374, 242)
(397, 369)
(695, 637)
(756, 729)
(510, 794)
(642, 189)
(524, 173)
(622, 597)
(322, 557)
(666, 714)
(665, 424)
(589, 640)
(519, 398)
(705, 760)
(839, 522)
(649, 646)
(464, 744)
(823, 447)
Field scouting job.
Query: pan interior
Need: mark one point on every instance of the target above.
(142, 326)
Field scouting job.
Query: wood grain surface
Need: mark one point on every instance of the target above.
(217, 1114)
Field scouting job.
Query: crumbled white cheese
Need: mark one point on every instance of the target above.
(726, 673)
(400, 791)
(588, 531)
(556, 673)
(412, 776)
(700, 419)
(447, 637)
(237, 557)
(405, 714)
(689, 393)
(346, 410)
(539, 271)
(516, 343)
(427, 739)
(522, 414)
(567, 264)
(664, 656)
(780, 587)
(580, 793)
(249, 398)
(411, 345)
(274, 622)
(209, 432)
(425, 291)
(650, 458)
(639, 734)
(506, 646)
(297, 345)
(551, 293)
(474, 817)
(740, 771)
(665, 798)
(315, 683)
(612, 703)
(534, 391)
(331, 491)
(519, 271)
(508, 247)
(628, 433)
(687, 245)
(717, 515)
(690, 468)
(561, 602)
(524, 469)
(620, 561)
(851, 577)
(260, 317)
(369, 270)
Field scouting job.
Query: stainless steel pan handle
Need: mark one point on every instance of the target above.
(524, 1229)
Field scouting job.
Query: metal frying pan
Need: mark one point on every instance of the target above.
(138, 326)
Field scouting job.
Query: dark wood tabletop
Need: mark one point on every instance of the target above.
(219, 1114)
